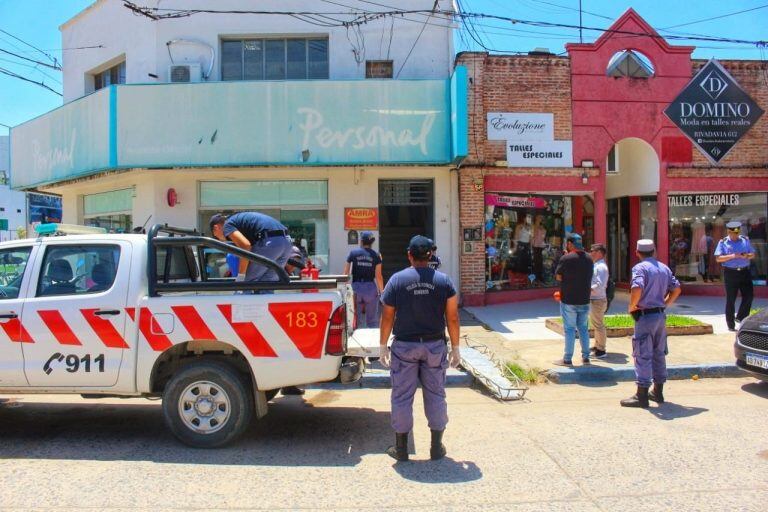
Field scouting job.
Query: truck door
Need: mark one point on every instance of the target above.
(14, 278)
(75, 314)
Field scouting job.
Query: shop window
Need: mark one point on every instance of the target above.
(274, 59)
(525, 237)
(109, 210)
(630, 64)
(697, 223)
(301, 205)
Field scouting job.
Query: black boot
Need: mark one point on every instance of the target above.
(657, 395)
(640, 399)
(437, 450)
(400, 450)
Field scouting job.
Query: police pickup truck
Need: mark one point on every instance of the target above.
(135, 315)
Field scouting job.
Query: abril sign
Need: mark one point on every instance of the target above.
(714, 111)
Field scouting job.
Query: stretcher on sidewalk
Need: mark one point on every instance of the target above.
(476, 359)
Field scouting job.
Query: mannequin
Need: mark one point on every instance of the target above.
(539, 244)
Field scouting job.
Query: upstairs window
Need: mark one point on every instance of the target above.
(111, 76)
(274, 59)
(630, 64)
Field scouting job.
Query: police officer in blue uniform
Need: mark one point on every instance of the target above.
(258, 233)
(653, 288)
(734, 252)
(367, 280)
(418, 303)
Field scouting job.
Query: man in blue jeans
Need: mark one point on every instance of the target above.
(574, 271)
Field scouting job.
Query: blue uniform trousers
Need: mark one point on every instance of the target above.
(366, 303)
(649, 346)
(277, 248)
(414, 363)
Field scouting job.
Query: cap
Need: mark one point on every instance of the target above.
(420, 246)
(296, 259)
(646, 245)
(598, 247)
(367, 237)
(733, 225)
(575, 239)
(216, 219)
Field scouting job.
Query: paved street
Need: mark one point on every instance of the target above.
(567, 448)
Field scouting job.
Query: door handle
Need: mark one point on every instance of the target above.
(9, 315)
(107, 312)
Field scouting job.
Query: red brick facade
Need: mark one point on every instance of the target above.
(596, 111)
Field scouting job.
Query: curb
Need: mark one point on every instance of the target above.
(381, 380)
(582, 375)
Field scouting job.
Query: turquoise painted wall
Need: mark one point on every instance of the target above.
(376, 122)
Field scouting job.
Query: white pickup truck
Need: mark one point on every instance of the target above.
(149, 315)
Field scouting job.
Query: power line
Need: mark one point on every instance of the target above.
(717, 17)
(30, 66)
(52, 59)
(16, 75)
(55, 66)
(413, 46)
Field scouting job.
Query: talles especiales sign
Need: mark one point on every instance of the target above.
(361, 218)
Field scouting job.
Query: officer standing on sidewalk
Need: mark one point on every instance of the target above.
(653, 289)
(367, 280)
(418, 302)
(734, 252)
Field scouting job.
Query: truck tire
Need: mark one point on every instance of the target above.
(207, 404)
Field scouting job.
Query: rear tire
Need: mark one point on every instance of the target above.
(207, 404)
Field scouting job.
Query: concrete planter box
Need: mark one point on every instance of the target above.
(620, 332)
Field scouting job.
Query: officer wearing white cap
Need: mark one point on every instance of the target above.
(653, 288)
(734, 252)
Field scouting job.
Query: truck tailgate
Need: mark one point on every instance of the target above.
(363, 343)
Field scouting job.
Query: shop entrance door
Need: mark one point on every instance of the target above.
(406, 209)
(618, 239)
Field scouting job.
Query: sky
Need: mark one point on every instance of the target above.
(36, 22)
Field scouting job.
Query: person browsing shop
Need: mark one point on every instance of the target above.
(367, 281)
(574, 271)
(418, 304)
(258, 233)
(734, 253)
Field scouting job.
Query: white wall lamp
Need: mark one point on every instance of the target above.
(588, 163)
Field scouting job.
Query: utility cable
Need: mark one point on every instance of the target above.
(51, 66)
(717, 17)
(16, 75)
(52, 59)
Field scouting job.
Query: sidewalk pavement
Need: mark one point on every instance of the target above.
(517, 333)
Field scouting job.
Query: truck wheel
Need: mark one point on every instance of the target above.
(207, 404)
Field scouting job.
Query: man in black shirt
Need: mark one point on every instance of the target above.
(574, 271)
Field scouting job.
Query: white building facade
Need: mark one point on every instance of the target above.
(12, 203)
(344, 120)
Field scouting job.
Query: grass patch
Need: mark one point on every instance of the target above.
(527, 375)
(622, 321)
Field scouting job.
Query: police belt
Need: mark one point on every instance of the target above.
(643, 312)
(423, 339)
(362, 280)
(739, 269)
(267, 233)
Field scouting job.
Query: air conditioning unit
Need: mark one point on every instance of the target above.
(182, 73)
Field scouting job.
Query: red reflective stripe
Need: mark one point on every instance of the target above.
(305, 323)
(248, 334)
(158, 342)
(104, 329)
(61, 331)
(16, 331)
(131, 313)
(193, 323)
